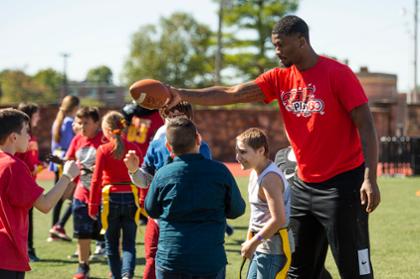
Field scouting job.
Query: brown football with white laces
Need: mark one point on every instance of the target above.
(149, 93)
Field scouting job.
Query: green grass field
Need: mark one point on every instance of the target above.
(394, 227)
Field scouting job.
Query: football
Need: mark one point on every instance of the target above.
(149, 93)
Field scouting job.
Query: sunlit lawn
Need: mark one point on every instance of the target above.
(394, 226)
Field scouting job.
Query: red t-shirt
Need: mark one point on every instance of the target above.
(110, 171)
(83, 149)
(18, 193)
(315, 105)
(31, 156)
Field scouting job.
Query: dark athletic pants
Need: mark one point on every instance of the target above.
(9, 274)
(31, 230)
(330, 212)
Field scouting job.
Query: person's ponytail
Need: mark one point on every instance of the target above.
(115, 121)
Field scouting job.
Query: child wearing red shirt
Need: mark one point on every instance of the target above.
(120, 206)
(14, 206)
(83, 149)
(142, 125)
(31, 158)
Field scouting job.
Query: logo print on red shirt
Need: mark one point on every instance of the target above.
(302, 101)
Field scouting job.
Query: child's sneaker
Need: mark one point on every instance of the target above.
(52, 238)
(99, 253)
(32, 256)
(82, 272)
(59, 232)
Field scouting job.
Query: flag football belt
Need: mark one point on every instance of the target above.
(284, 237)
(105, 204)
(60, 170)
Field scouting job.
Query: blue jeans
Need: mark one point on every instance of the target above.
(121, 218)
(164, 274)
(265, 266)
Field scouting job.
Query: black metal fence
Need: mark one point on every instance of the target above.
(399, 156)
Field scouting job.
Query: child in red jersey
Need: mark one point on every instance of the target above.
(31, 158)
(120, 206)
(83, 148)
(19, 193)
(142, 125)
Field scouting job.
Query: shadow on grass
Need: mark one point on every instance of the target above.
(140, 261)
(237, 251)
(57, 261)
(234, 242)
(241, 228)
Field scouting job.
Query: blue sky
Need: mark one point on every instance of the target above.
(372, 33)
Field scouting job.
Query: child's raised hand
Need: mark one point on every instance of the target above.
(71, 169)
(132, 161)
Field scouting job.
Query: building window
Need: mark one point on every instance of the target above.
(93, 93)
(110, 94)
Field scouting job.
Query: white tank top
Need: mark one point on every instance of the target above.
(260, 213)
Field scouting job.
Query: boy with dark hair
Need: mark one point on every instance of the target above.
(83, 149)
(181, 109)
(157, 156)
(19, 192)
(267, 244)
(192, 197)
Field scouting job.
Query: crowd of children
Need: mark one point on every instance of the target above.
(119, 167)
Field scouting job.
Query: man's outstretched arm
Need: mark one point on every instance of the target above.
(217, 95)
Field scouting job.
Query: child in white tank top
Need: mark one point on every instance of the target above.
(268, 241)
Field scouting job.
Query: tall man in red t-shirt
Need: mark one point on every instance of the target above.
(19, 193)
(330, 127)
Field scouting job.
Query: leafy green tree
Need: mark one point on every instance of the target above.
(247, 40)
(16, 86)
(50, 82)
(177, 51)
(101, 74)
